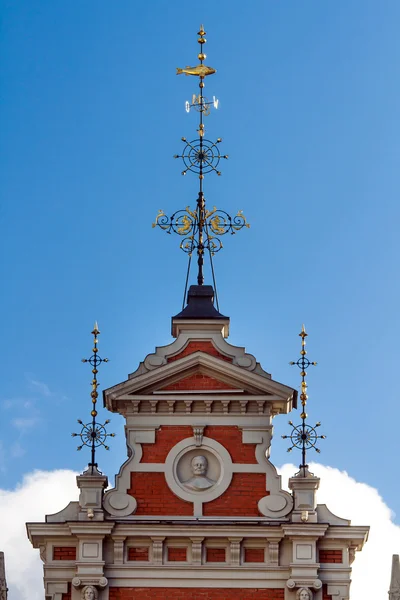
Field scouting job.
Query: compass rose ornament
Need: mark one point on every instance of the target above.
(94, 434)
(303, 436)
(201, 228)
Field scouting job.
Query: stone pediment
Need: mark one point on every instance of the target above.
(200, 382)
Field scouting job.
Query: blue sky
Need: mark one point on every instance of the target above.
(91, 115)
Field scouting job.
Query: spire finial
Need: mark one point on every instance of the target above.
(201, 228)
(94, 434)
(303, 436)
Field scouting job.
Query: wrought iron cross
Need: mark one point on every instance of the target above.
(94, 434)
(303, 436)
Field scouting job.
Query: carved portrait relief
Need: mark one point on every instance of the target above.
(89, 593)
(199, 479)
(304, 594)
(198, 470)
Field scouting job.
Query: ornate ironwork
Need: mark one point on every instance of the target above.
(200, 227)
(303, 436)
(94, 434)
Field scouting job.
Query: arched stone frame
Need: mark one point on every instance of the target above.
(198, 498)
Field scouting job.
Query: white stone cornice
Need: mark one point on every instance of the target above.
(97, 528)
(354, 535)
(191, 530)
(235, 375)
(310, 530)
(37, 532)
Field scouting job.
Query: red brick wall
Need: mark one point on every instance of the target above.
(254, 555)
(177, 554)
(206, 347)
(325, 593)
(67, 596)
(139, 553)
(231, 438)
(215, 554)
(198, 381)
(64, 553)
(330, 556)
(166, 438)
(195, 594)
(154, 496)
(240, 499)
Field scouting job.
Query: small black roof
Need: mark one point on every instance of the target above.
(200, 304)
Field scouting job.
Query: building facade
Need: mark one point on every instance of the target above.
(198, 510)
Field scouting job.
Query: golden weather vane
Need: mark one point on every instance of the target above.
(94, 434)
(201, 228)
(303, 436)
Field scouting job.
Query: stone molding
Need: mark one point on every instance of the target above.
(236, 353)
(264, 396)
(198, 498)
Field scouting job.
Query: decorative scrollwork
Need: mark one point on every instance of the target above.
(304, 436)
(93, 435)
(188, 223)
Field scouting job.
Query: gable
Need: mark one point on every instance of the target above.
(205, 346)
(200, 381)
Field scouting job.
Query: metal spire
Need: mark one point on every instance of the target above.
(303, 436)
(94, 434)
(200, 228)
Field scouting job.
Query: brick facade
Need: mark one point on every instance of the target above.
(228, 436)
(198, 381)
(118, 593)
(330, 556)
(240, 499)
(166, 438)
(154, 496)
(178, 554)
(140, 553)
(203, 346)
(215, 554)
(64, 553)
(254, 555)
(231, 438)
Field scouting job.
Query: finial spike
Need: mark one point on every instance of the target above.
(201, 230)
(93, 434)
(303, 436)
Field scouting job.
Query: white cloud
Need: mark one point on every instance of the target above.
(25, 423)
(350, 499)
(40, 493)
(39, 386)
(43, 493)
(16, 450)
